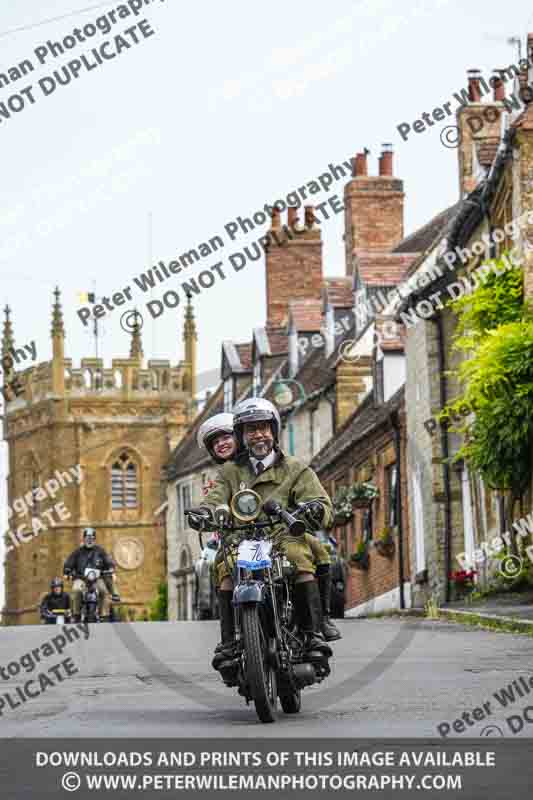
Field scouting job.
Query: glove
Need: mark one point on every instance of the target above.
(205, 514)
(115, 597)
(314, 513)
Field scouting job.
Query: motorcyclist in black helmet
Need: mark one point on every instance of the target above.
(91, 555)
(55, 600)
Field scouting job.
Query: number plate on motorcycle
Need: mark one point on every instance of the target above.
(254, 555)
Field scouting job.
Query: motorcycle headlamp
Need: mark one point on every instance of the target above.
(91, 576)
(246, 505)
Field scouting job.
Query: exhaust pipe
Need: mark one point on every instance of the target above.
(304, 675)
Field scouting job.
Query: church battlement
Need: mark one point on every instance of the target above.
(126, 378)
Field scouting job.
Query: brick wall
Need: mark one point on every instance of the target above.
(368, 460)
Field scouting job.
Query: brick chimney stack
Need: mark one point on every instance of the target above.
(293, 264)
(373, 208)
(479, 126)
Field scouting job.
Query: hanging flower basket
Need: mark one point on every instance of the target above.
(348, 498)
(342, 518)
(360, 558)
(384, 544)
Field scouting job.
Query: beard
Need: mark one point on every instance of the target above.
(261, 449)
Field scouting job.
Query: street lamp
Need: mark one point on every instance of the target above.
(283, 397)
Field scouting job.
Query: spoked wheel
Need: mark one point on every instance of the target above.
(291, 702)
(261, 677)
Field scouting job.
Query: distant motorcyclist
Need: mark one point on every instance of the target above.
(55, 600)
(91, 556)
(262, 466)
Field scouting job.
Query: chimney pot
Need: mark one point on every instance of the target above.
(276, 218)
(309, 216)
(498, 85)
(360, 165)
(473, 85)
(292, 215)
(385, 160)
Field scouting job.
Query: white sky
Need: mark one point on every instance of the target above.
(227, 107)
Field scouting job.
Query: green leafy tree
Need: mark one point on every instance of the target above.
(159, 608)
(495, 331)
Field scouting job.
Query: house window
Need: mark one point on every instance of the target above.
(392, 505)
(184, 495)
(367, 525)
(124, 485)
(228, 394)
(256, 385)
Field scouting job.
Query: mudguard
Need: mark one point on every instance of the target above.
(248, 593)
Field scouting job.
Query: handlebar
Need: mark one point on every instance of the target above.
(296, 526)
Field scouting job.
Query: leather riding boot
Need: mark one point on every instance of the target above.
(328, 628)
(225, 649)
(309, 617)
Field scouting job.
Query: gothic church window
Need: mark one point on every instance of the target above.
(124, 483)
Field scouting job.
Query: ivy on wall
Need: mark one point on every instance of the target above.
(495, 331)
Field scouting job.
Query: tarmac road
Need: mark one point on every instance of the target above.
(390, 677)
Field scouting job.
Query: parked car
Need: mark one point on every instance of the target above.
(339, 573)
(206, 597)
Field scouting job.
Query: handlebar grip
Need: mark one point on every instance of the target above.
(296, 526)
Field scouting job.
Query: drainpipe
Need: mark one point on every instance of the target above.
(395, 422)
(445, 454)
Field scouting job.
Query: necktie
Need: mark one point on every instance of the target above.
(259, 467)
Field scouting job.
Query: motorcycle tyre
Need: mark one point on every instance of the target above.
(258, 677)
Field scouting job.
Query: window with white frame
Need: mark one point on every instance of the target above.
(256, 387)
(228, 394)
(184, 500)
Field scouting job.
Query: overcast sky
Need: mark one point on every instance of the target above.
(228, 106)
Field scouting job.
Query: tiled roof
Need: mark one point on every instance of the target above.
(383, 269)
(306, 315)
(187, 457)
(339, 291)
(420, 240)
(358, 426)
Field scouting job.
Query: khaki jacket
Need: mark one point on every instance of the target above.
(288, 481)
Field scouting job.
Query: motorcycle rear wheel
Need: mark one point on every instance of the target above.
(261, 677)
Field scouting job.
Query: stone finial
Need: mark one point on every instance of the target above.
(57, 315)
(189, 327)
(8, 340)
(136, 349)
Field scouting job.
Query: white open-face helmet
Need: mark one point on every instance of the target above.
(255, 409)
(219, 423)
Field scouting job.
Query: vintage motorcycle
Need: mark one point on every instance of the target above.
(270, 662)
(57, 616)
(90, 598)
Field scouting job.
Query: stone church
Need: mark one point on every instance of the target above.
(120, 424)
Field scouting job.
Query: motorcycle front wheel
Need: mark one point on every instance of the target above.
(260, 675)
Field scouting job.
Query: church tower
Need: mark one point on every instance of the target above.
(86, 447)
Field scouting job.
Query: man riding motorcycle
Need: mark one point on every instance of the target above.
(262, 466)
(216, 436)
(91, 555)
(55, 600)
